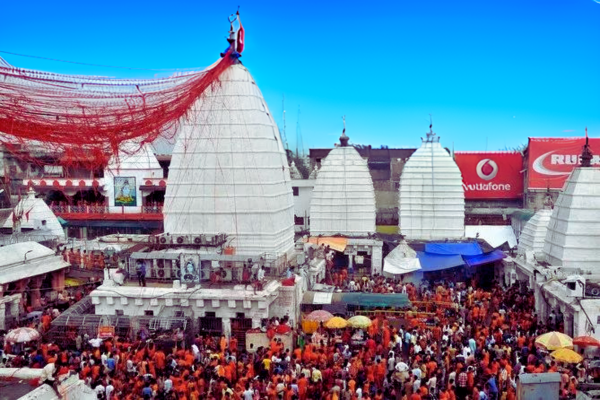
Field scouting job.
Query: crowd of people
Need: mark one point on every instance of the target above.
(474, 351)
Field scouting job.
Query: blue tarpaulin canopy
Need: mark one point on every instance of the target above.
(485, 258)
(463, 248)
(437, 262)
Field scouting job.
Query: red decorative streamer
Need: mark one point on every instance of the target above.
(83, 121)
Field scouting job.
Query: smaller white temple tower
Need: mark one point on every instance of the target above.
(343, 201)
(573, 236)
(432, 199)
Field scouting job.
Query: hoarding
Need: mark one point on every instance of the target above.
(125, 191)
(551, 160)
(491, 174)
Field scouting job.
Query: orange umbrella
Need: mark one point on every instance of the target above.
(586, 341)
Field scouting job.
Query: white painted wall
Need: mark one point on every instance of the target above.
(302, 201)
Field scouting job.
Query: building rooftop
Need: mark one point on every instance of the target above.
(27, 259)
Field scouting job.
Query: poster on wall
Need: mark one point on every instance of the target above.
(551, 160)
(125, 191)
(491, 174)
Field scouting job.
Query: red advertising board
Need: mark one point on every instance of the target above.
(491, 174)
(551, 160)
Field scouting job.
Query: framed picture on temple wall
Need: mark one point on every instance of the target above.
(125, 191)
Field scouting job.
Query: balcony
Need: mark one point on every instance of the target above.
(64, 183)
(101, 211)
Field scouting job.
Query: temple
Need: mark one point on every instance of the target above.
(229, 174)
(343, 205)
(343, 199)
(573, 232)
(432, 200)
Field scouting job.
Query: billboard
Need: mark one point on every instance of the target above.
(491, 174)
(551, 160)
(125, 191)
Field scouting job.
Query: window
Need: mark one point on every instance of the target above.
(210, 314)
(296, 191)
(149, 313)
(119, 312)
(179, 314)
(240, 315)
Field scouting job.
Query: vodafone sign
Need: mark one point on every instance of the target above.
(491, 174)
(551, 160)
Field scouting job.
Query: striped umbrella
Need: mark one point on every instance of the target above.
(554, 341)
(22, 335)
(360, 321)
(319, 316)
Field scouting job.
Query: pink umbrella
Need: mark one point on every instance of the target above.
(319, 316)
(22, 335)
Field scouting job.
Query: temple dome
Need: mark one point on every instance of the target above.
(432, 199)
(573, 236)
(36, 217)
(534, 232)
(343, 200)
(294, 171)
(229, 172)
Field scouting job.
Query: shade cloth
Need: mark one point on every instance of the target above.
(401, 260)
(335, 243)
(495, 235)
(437, 262)
(399, 300)
(453, 248)
(485, 258)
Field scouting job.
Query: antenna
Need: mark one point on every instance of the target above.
(283, 135)
(299, 143)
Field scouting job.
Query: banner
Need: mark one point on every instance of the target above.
(491, 174)
(125, 191)
(551, 160)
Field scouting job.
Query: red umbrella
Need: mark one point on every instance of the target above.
(283, 329)
(586, 341)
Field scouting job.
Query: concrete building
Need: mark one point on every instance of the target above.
(224, 308)
(28, 272)
(343, 204)
(126, 196)
(432, 199)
